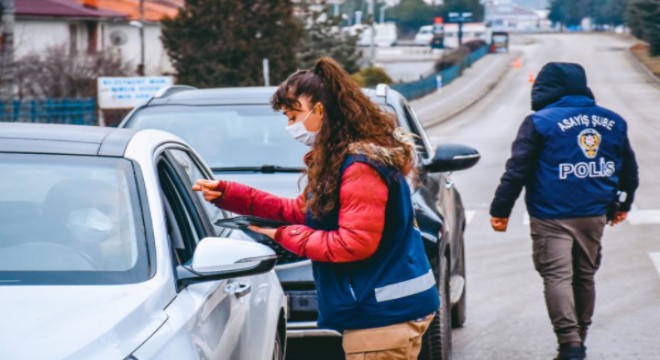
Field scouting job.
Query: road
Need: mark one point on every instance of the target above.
(506, 316)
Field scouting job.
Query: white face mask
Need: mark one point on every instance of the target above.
(89, 225)
(300, 132)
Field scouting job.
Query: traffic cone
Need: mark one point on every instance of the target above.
(516, 63)
(530, 78)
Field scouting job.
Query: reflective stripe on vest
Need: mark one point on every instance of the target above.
(405, 288)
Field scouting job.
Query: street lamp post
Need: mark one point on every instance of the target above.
(140, 25)
(372, 40)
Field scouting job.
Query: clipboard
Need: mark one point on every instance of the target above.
(242, 222)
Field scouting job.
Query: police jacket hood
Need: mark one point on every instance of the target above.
(556, 80)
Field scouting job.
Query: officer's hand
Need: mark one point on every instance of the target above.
(499, 224)
(207, 187)
(619, 216)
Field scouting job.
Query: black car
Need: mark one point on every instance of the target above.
(241, 122)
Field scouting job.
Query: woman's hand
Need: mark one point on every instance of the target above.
(207, 187)
(266, 231)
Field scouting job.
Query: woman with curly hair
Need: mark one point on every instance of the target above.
(354, 220)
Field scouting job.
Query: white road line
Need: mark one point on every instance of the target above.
(640, 217)
(469, 215)
(655, 257)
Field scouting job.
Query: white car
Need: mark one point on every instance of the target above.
(107, 253)
(424, 35)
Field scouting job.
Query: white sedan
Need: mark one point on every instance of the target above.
(106, 253)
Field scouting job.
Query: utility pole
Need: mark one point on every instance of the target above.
(372, 49)
(7, 66)
(141, 67)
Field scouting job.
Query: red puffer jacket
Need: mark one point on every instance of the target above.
(362, 199)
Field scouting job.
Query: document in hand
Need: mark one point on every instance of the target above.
(242, 222)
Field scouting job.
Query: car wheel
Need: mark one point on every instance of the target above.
(278, 347)
(436, 343)
(458, 311)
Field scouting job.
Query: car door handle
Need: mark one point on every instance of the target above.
(238, 289)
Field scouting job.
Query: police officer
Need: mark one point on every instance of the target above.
(574, 158)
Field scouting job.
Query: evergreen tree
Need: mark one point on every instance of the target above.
(643, 17)
(324, 37)
(216, 43)
(609, 12)
(411, 14)
(569, 12)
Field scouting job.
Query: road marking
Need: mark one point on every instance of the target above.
(640, 217)
(469, 215)
(655, 257)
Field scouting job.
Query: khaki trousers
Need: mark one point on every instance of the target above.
(567, 254)
(395, 342)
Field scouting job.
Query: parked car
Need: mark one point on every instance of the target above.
(243, 139)
(106, 253)
(424, 35)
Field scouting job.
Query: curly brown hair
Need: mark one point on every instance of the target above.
(350, 117)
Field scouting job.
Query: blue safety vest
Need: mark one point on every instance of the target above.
(394, 285)
(580, 161)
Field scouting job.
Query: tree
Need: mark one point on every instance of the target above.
(569, 12)
(411, 14)
(323, 37)
(57, 73)
(223, 42)
(609, 12)
(643, 17)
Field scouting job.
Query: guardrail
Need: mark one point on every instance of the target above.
(419, 88)
(55, 111)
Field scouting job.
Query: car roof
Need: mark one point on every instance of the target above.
(245, 96)
(218, 96)
(64, 139)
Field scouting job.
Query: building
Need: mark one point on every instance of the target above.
(40, 24)
(505, 15)
(93, 25)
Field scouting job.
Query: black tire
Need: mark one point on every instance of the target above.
(458, 311)
(278, 347)
(436, 343)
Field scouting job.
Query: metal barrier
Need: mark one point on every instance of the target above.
(55, 111)
(420, 88)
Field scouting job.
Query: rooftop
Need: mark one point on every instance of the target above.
(62, 8)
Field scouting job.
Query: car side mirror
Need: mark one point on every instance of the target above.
(223, 258)
(452, 157)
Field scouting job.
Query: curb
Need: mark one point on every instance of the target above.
(464, 106)
(654, 79)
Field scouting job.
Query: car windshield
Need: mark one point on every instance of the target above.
(229, 136)
(70, 220)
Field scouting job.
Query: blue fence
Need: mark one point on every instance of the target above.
(417, 89)
(55, 111)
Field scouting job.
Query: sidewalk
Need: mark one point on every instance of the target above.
(460, 94)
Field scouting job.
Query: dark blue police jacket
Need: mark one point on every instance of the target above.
(394, 285)
(571, 155)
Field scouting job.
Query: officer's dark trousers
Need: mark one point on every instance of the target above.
(567, 254)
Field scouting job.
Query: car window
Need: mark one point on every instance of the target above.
(194, 172)
(70, 220)
(228, 135)
(184, 228)
(415, 127)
